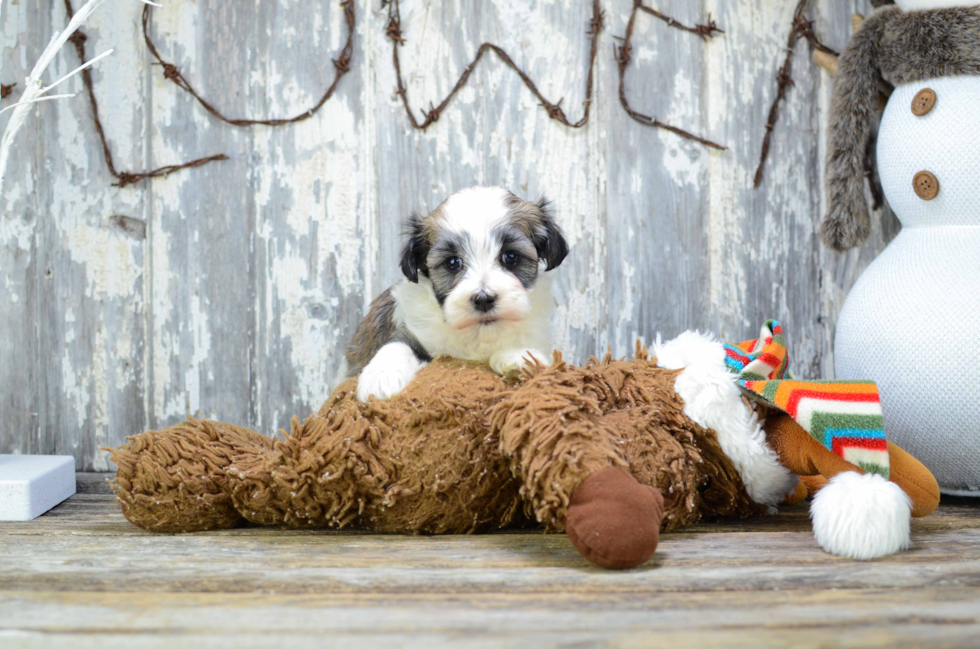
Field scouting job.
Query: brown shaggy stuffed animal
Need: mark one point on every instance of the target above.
(603, 452)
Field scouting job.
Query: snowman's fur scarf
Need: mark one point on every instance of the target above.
(895, 47)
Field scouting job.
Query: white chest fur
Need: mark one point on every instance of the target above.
(425, 320)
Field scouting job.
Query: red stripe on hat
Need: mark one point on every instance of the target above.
(867, 443)
(798, 394)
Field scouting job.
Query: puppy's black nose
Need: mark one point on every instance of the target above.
(484, 302)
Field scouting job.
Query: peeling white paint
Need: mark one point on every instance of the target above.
(11, 295)
(198, 362)
(86, 392)
(308, 222)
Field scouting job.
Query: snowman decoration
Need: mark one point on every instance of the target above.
(912, 321)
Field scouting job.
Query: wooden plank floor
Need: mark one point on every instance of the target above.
(82, 576)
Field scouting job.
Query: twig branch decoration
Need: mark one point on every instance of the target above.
(171, 72)
(704, 31)
(341, 66)
(624, 54)
(35, 90)
(555, 111)
(801, 27)
(123, 178)
(394, 32)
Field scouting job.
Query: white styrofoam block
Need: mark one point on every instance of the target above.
(32, 484)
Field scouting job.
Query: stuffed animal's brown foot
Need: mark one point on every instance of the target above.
(613, 520)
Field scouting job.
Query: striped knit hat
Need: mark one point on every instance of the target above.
(844, 416)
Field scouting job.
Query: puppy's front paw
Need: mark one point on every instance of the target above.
(388, 373)
(512, 361)
(381, 383)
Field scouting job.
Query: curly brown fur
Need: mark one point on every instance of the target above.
(176, 480)
(566, 423)
(897, 48)
(460, 450)
(423, 462)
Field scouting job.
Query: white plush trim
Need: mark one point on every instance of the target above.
(713, 400)
(862, 516)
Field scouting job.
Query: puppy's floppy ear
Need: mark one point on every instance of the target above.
(415, 250)
(550, 241)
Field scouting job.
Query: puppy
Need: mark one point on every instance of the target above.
(473, 289)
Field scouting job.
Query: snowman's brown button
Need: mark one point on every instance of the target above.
(926, 185)
(924, 102)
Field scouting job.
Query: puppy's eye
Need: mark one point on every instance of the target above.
(510, 259)
(454, 264)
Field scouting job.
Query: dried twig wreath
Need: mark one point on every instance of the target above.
(555, 112)
(123, 177)
(624, 54)
(800, 27)
(341, 66)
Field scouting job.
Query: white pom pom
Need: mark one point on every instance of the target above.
(862, 516)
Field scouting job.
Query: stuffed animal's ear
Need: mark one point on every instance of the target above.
(415, 250)
(853, 106)
(550, 241)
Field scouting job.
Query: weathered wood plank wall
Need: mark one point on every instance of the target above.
(228, 291)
